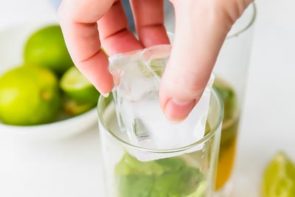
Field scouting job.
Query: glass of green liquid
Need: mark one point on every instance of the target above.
(231, 71)
(186, 171)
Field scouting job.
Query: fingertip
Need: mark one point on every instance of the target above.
(177, 111)
(104, 88)
(96, 70)
(175, 101)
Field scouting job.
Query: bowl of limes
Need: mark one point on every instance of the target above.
(41, 91)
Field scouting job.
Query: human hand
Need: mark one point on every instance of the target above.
(201, 27)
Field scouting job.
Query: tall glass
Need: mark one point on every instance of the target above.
(231, 70)
(187, 171)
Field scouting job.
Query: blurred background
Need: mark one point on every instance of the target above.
(72, 168)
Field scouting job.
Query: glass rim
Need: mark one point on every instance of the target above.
(248, 25)
(205, 138)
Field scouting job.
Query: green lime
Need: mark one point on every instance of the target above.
(28, 96)
(46, 47)
(279, 177)
(231, 120)
(74, 108)
(77, 87)
(229, 98)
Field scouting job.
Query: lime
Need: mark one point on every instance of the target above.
(77, 87)
(28, 96)
(279, 177)
(74, 108)
(46, 47)
(231, 120)
(229, 98)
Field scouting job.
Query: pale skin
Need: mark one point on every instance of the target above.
(201, 28)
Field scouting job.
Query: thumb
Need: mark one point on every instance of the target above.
(201, 28)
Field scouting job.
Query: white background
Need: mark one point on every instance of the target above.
(71, 168)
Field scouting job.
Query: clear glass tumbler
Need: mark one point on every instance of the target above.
(231, 70)
(189, 174)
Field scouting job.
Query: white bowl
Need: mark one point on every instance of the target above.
(12, 40)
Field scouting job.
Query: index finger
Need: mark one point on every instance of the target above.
(78, 20)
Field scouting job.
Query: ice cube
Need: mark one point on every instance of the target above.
(136, 96)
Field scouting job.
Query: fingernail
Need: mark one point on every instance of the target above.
(105, 95)
(178, 110)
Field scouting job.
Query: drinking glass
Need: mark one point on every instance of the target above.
(231, 70)
(187, 171)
